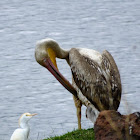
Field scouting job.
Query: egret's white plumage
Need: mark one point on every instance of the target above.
(22, 133)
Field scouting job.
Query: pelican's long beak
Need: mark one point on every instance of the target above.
(54, 70)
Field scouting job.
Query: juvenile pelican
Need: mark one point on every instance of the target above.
(22, 133)
(95, 77)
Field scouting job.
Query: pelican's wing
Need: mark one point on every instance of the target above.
(114, 78)
(91, 77)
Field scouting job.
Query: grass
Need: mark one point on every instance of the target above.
(76, 135)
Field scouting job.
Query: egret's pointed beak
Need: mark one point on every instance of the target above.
(34, 114)
(31, 114)
(50, 66)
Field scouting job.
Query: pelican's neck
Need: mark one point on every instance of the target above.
(48, 48)
(60, 53)
(45, 44)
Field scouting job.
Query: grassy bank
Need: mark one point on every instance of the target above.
(76, 135)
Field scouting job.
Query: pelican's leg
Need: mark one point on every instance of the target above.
(78, 105)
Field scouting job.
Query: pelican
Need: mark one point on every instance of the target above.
(22, 133)
(95, 77)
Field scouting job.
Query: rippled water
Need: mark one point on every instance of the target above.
(25, 86)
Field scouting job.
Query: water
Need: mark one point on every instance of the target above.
(25, 86)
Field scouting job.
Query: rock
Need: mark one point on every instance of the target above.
(111, 125)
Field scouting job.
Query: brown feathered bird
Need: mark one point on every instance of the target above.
(95, 77)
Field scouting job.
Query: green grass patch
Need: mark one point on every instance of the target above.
(76, 135)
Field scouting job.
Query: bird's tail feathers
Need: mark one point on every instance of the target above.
(92, 114)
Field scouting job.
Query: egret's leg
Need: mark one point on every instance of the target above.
(78, 105)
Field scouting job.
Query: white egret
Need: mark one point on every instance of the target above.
(22, 133)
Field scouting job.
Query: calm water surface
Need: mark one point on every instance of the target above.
(25, 86)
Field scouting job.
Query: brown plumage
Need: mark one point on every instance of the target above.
(96, 80)
(100, 83)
